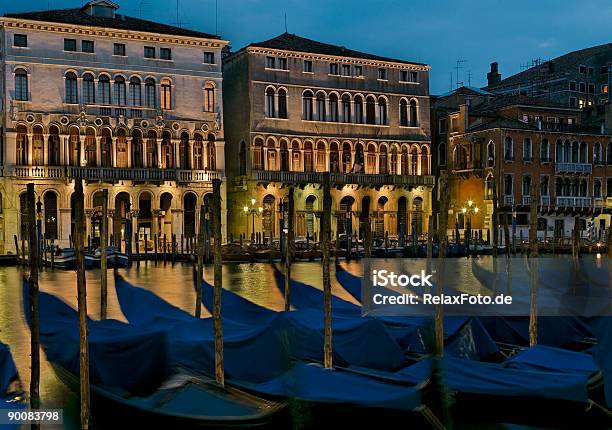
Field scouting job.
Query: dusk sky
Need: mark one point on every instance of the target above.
(436, 32)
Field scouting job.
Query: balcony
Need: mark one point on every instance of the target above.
(111, 173)
(340, 178)
(584, 168)
(545, 200)
(508, 200)
(574, 202)
(526, 200)
(572, 128)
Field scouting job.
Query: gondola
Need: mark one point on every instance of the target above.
(11, 390)
(131, 375)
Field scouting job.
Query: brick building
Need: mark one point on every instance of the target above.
(512, 142)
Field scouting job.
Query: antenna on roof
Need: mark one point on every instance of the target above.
(457, 67)
(141, 3)
(469, 78)
(286, 22)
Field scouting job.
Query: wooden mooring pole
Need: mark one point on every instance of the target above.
(200, 268)
(33, 292)
(327, 297)
(218, 277)
(533, 254)
(103, 256)
(289, 249)
(82, 303)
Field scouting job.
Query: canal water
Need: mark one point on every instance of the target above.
(172, 283)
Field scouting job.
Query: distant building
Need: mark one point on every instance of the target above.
(512, 142)
(578, 79)
(129, 105)
(297, 109)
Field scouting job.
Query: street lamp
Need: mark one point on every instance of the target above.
(246, 214)
(467, 213)
(252, 210)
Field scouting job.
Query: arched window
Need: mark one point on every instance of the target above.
(597, 158)
(104, 90)
(120, 96)
(284, 156)
(526, 185)
(346, 157)
(50, 205)
(414, 115)
(166, 94)
(22, 146)
(382, 111)
(272, 161)
(609, 154)
(403, 113)
(527, 149)
(491, 154)
(320, 106)
(136, 149)
(567, 152)
(393, 169)
(414, 161)
(508, 149)
(370, 110)
(53, 147)
(359, 161)
(321, 157)
(282, 103)
(358, 109)
(167, 152)
(404, 161)
(74, 147)
(334, 157)
(198, 153)
(544, 151)
(382, 160)
(371, 159)
(106, 146)
(559, 151)
(424, 160)
(122, 149)
(150, 101)
(89, 94)
(152, 150)
(209, 97)
(333, 108)
(72, 93)
(37, 146)
(184, 151)
(609, 187)
(584, 153)
(488, 194)
(242, 159)
(575, 152)
(212, 157)
(270, 102)
(508, 185)
(90, 147)
(597, 188)
(307, 108)
(135, 94)
(189, 206)
(308, 157)
(257, 154)
(544, 186)
(346, 108)
(21, 85)
(296, 157)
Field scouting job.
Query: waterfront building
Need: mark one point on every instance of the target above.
(298, 110)
(512, 142)
(128, 105)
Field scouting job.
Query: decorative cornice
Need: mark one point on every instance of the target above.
(110, 33)
(346, 60)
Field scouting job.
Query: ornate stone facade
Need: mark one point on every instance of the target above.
(130, 106)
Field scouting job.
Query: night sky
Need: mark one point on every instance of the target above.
(436, 32)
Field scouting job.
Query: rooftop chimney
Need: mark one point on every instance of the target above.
(493, 77)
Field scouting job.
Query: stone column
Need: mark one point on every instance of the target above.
(110, 229)
(129, 151)
(63, 143)
(175, 151)
(30, 144)
(98, 151)
(159, 153)
(134, 216)
(88, 225)
(46, 149)
(145, 147)
(114, 153)
(191, 155)
(155, 223)
(83, 160)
